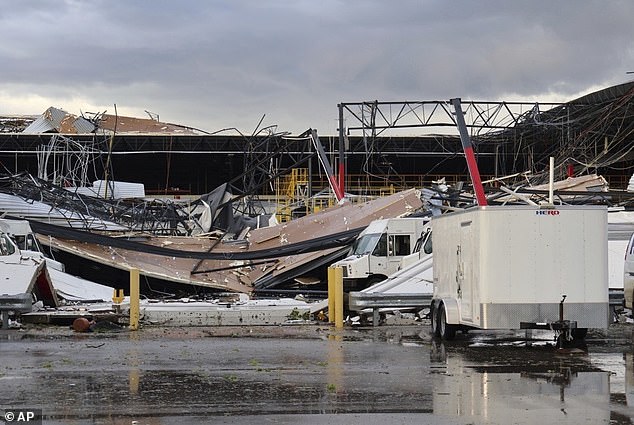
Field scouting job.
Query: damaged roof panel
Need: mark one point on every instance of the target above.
(243, 275)
(59, 121)
(140, 125)
(55, 120)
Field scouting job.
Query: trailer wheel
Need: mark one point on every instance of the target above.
(435, 329)
(447, 331)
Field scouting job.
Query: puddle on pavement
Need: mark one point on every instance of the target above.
(531, 383)
(551, 391)
(476, 379)
(163, 393)
(492, 377)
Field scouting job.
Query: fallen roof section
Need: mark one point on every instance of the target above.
(72, 288)
(580, 189)
(59, 121)
(272, 255)
(132, 125)
(55, 120)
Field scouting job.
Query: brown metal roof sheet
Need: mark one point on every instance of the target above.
(122, 124)
(242, 278)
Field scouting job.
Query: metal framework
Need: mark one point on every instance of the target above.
(379, 141)
(267, 155)
(374, 118)
(155, 216)
(370, 129)
(590, 134)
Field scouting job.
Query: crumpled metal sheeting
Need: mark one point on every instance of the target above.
(315, 228)
(158, 216)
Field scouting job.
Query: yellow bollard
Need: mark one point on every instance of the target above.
(134, 299)
(338, 282)
(117, 296)
(331, 295)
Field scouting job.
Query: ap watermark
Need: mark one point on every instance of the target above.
(22, 416)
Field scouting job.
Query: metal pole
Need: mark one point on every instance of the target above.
(338, 297)
(134, 299)
(331, 294)
(468, 151)
(327, 168)
(342, 169)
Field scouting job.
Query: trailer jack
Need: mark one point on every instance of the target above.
(563, 328)
(566, 331)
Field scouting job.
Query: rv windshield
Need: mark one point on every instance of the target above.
(365, 244)
(6, 246)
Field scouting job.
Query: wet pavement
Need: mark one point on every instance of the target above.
(313, 374)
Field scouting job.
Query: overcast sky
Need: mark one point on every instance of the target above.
(213, 64)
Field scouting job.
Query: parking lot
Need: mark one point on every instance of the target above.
(313, 374)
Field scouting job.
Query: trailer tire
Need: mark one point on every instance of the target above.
(435, 329)
(447, 331)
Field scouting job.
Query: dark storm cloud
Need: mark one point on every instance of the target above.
(215, 64)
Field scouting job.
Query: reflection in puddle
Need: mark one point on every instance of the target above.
(476, 379)
(506, 383)
(546, 396)
(334, 365)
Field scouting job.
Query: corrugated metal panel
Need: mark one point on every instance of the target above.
(40, 125)
(116, 190)
(54, 119)
(119, 190)
(224, 275)
(609, 94)
(77, 289)
(140, 126)
(75, 125)
(17, 207)
(55, 116)
(50, 120)
(82, 125)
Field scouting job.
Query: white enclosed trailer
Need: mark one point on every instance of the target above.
(521, 267)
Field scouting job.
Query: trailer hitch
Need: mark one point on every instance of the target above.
(563, 328)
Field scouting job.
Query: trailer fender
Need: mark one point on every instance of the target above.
(452, 310)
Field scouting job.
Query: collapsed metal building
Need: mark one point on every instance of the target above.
(94, 172)
(592, 134)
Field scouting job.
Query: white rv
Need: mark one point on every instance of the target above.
(521, 267)
(628, 275)
(378, 251)
(21, 234)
